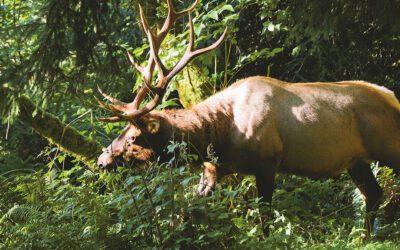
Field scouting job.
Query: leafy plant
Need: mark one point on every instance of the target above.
(156, 205)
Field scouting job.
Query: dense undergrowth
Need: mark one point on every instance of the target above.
(157, 207)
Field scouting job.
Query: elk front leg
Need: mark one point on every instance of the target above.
(208, 179)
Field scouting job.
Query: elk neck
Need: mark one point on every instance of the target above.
(206, 123)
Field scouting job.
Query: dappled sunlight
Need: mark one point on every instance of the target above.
(305, 113)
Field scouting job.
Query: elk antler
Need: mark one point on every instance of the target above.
(131, 111)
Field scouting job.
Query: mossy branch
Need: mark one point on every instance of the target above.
(56, 132)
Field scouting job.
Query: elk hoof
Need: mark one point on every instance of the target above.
(204, 190)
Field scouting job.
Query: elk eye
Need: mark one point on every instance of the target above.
(130, 140)
(153, 126)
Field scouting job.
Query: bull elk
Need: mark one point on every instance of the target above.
(262, 126)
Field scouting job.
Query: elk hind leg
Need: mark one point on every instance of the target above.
(362, 176)
(265, 180)
(389, 155)
(392, 160)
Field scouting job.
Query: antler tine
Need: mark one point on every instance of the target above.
(134, 64)
(118, 115)
(117, 104)
(110, 119)
(191, 34)
(149, 107)
(173, 16)
(107, 106)
(143, 19)
(141, 70)
(111, 99)
(191, 53)
(213, 46)
(188, 10)
(162, 70)
(180, 13)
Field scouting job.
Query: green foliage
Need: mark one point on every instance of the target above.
(156, 206)
(56, 52)
(18, 148)
(341, 40)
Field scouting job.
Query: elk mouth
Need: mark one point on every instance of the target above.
(131, 157)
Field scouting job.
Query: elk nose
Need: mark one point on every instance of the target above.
(101, 163)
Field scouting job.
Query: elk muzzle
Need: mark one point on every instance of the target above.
(105, 159)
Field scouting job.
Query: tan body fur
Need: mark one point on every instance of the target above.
(312, 129)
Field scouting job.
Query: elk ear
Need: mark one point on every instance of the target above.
(152, 126)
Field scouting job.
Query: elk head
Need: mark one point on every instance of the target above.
(146, 132)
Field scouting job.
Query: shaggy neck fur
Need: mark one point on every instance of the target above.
(200, 126)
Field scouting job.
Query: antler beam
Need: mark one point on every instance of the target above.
(131, 111)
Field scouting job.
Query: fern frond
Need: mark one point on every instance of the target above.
(20, 214)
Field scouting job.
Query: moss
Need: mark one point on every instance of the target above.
(67, 138)
(194, 87)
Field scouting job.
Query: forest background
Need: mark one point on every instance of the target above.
(54, 53)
